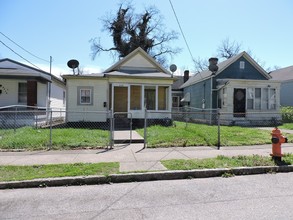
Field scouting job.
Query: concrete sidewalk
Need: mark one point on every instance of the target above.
(132, 157)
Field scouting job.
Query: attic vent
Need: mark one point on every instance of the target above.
(242, 65)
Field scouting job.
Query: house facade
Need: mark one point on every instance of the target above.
(128, 87)
(285, 76)
(177, 91)
(23, 85)
(240, 89)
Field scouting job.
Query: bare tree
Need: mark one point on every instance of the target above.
(130, 30)
(200, 64)
(225, 50)
(228, 49)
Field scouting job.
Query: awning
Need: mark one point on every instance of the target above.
(186, 97)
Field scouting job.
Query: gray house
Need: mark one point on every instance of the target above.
(285, 76)
(241, 89)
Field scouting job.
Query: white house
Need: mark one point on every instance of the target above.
(285, 76)
(23, 85)
(30, 91)
(135, 82)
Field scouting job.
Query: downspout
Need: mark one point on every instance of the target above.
(213, 68)
(50, 83)
(211, 100)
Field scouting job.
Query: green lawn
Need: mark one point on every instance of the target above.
(286, 126)
(178, 135)
(14, 173)
(38, 139)
(223, 162)
(205, 135)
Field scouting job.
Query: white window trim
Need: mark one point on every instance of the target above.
(79, 89)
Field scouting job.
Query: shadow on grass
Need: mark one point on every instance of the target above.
(279, 162)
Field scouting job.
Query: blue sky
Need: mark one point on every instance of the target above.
(63, 28)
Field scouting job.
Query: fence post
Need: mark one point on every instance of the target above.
(145, 129)
(37, 118)
(15, 116)
(50, 141)
(111, 129)
(219, 131)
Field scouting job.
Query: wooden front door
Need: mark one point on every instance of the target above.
(239, 102)
(32, 94)
(120, 99)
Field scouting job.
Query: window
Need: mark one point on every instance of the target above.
(135, 97)
(22, 93)
(272, 98)
(250, 98)
(242, 65)
(224, 98)
(258, 98)
(150, 97)
(265, 99)
(175, 101)
(162, 97)
(85, 96)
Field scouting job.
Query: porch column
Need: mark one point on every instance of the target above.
(170, 99)
(157, 97)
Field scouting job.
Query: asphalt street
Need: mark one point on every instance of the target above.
(267, 196)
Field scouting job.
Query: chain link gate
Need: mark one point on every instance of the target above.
(121, 128)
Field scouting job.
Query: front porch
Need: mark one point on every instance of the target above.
(131, 100)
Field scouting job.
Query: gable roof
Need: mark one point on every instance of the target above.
(222, 66)
(178, 83)
(137, 61)
(13, 69)
(282, 74)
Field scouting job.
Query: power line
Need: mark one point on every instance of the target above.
(24, 48)
(181, 31)
(20, 55)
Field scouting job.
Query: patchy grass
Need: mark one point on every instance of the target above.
(14, 173)
(288, 126)
(38, 139)
(223, 162)
(205, 135)
(179, 135)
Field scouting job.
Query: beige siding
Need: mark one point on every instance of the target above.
(77, 112)
(142, 81)
(138, 61)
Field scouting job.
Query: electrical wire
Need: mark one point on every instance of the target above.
(24, 48)
(20, 55)
(181, 30)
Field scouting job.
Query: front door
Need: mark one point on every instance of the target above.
(32, 91)
(120, 99)
(239, 102)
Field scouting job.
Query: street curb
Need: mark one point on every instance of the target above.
(140, 177)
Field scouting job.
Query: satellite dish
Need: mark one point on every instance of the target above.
(173, 68)
(73, 64)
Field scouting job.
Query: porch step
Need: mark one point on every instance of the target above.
(121, 137)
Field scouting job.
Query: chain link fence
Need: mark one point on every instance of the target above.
(39, 129)
(211, 127)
